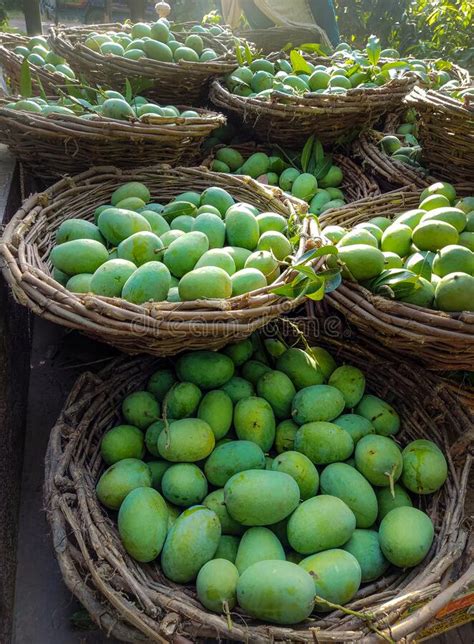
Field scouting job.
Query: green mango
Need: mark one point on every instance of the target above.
(406, 535)
(317, 403)
(254, 420)
(379, 459)
(278, 390)
(304, 186)
(261, 497)
(217, 197)
(381, 222)
(191, 542)
(216, 409)
(287, 179)
(252, 371)
(383, 416)
(79, 256)
(160, 31)
(285, 436)
(131, 203)
(242, 229)
(206, 282)
(227, 548)
(256, 165)
(421, 263)
(455, 292)
(322, 522)
(258, 544)
(231, 458)
(78, 229)
(323, 442)
(434, 201)
(351, 383)
(275, 243)
(345, 482)
(215, 502)
(186, 440)
(184, 485)
(271, 221)
(466, 239)
(122, 441)
(239, 352)
(116, 224)
(151, 436)
(410, 218)
(453, 216)
(149, 283)
(239, 255)
(301, 469)
(157, 469)
(364, 545)
(120, 479)
(216, 585)
(358, 236)
(182, 400)
(140, 409)
(110, 278)
(334, 233)
(63, 279)
(324, 361)
(80, 283)
(182, 254)
(217, 257)
(452, 259)
(433, 234)
(143, 523)
(183, 222)
(300, 367)
(336, 577)
(230, 157)
(160, 382)
(356, 426)
(424, 467)
(440, 188)
(362, 262)
(388, 501)
(177, 209)
(206, 369)
(276, 591)
(238, 388)
(247, 280)
(212, 226)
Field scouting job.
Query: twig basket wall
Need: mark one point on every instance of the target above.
(333, 118)
(54, 145)
(12, 62)
(446, 134)
(169, 82)
(135, 602)
(440, 341)
(160, 328)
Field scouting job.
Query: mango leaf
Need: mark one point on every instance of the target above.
(332, 279)
(26, 88)
(318, 152)
(443, 65)
(309, 255)
(396, 64)
(314, 47)
(315, 290)
(373, 49)
(306, 153)
(248, 53)
(238, 53)
(128, 91)
(298, 63)
(292, 290)
(322, 168)
(395, 283)
(352, 70)
(410, 139)
(41, 89)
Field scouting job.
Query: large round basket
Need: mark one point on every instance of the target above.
(446, 134)
(440, 341)
(159, 328)
(135, 602)
(282, 38)
(333, 118)
(54, 145)
(185, 81)
(11, 64)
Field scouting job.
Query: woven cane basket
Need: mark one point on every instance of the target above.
(169, 82)
(160, 328)
(40, 77)
(54, 145)
(446, 133)
(440, 341)
(136, 603)
(333, 118)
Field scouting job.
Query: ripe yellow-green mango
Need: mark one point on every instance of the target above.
(370, 228)
(397, 239)
(364, 545)
(261, 497)
(157, 469)
(247, 280)
(322, 522)
(123, 441)
(239, 255)
(242, 229)
(160, 382)
(151, 436)
(356, 426)
(216, 585)
(183, 253)
(271, 221)
(215, 502)
(227, 548)
(301, 469)
(191, 542)
(141, 409)
(383, 416)
(334, 233)
(433, 234)
(217, 197)
(206, 282)
(440, 188)
(110, 278)
(434, 201)
(258, 544)
(186, 440)
(219, 258)
(453, 216)
(411, 218)
(362, 262)
(324, 361)
(120, 479)
(131, 189)
(336, 577)
(380, 222)
(182, 400)
(323, 442)
(358, 236)
(275, 243)
(140, 248)
(206, 369)
(184, 485)
(254, 420)
(116, 224)
(264, 262)
(231, 458)
(406, 535)
(452, 259)
(213, 227)
(252, 370)
(239, 352)
(256, 165)
(278, 390)
(387, 502)
(78, 229)
(80, 283)
(379, 459)
(79, 256)
(317, 403)
(424, 467)
(143, 523)
(149, 283)
(455, 292)
(351, 383)
(276, 591)
(216, 409)
(300, 367)
(230, 157)
(238, 388)
(345, 482)
(285, 436)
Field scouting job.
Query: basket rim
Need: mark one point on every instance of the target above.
(437, 100)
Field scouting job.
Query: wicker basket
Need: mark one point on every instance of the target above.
(11, 64)
(55, 145)
(279, 38)
(160, 328)
(440, 341)
(333, 118)
(135, 602)
(168, 82)
(446, 134)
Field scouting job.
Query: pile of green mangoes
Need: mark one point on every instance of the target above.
(318, 185)
(424, 256)
(38, 52)
(108, 104)
(403, 146)
(150, 252)
(268, 475)
(155, 41)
